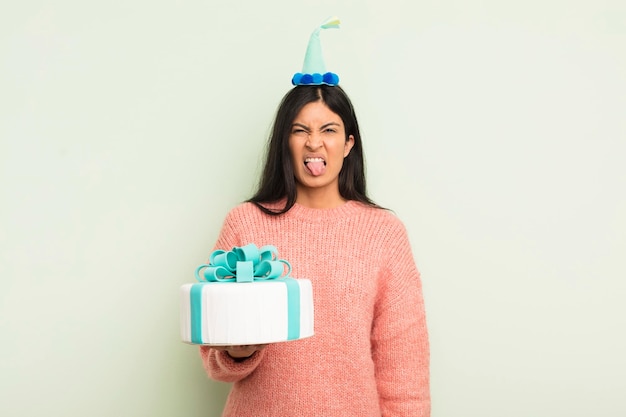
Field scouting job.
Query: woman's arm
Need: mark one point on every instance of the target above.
(400, 346)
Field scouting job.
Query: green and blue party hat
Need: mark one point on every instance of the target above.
(313, 70)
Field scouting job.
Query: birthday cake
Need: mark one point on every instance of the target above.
(245, 297)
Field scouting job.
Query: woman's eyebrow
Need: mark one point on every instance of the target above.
(330, 124)
(324, 126)
(300, 125)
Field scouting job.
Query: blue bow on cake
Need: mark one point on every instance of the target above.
(243, 264)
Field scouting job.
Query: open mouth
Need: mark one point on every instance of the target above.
(315, 166)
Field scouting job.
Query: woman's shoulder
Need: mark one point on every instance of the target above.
(384, 228)
(248, 211)
(245, 209)
(379, 214)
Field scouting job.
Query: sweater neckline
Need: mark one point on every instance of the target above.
(314, 215)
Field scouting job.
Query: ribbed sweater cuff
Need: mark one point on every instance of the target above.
(221, 367)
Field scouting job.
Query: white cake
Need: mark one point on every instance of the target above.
(246, 313)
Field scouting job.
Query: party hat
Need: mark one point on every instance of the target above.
(313, 70)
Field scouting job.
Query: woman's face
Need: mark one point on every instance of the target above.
(318, 145)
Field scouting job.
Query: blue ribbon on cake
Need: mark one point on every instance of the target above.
(243, 265)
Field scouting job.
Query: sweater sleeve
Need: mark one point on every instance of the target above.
(218, 364)
(400, 346)
(221, 367)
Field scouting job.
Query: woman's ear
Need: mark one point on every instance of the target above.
(348, 146)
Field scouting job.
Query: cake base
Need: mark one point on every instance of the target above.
(250, 313)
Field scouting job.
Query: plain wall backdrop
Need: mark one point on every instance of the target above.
(496, 130)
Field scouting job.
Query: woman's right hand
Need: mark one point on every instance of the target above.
(240, 351)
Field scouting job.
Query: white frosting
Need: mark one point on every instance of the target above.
(246, 313)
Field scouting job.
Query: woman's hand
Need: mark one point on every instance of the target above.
(241, 351)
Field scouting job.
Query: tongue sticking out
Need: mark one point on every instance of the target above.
(316, 168)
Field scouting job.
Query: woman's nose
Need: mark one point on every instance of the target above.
(314, 141)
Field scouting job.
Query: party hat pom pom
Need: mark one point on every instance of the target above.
(307, 79)
(330, 78)
(296, 78)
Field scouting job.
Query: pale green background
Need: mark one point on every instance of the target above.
(495, 129)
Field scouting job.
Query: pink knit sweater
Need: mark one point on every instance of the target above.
(370, 353)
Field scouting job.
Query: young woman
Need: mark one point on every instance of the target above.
(370, 352)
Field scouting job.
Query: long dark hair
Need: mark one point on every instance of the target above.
(278, 180)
